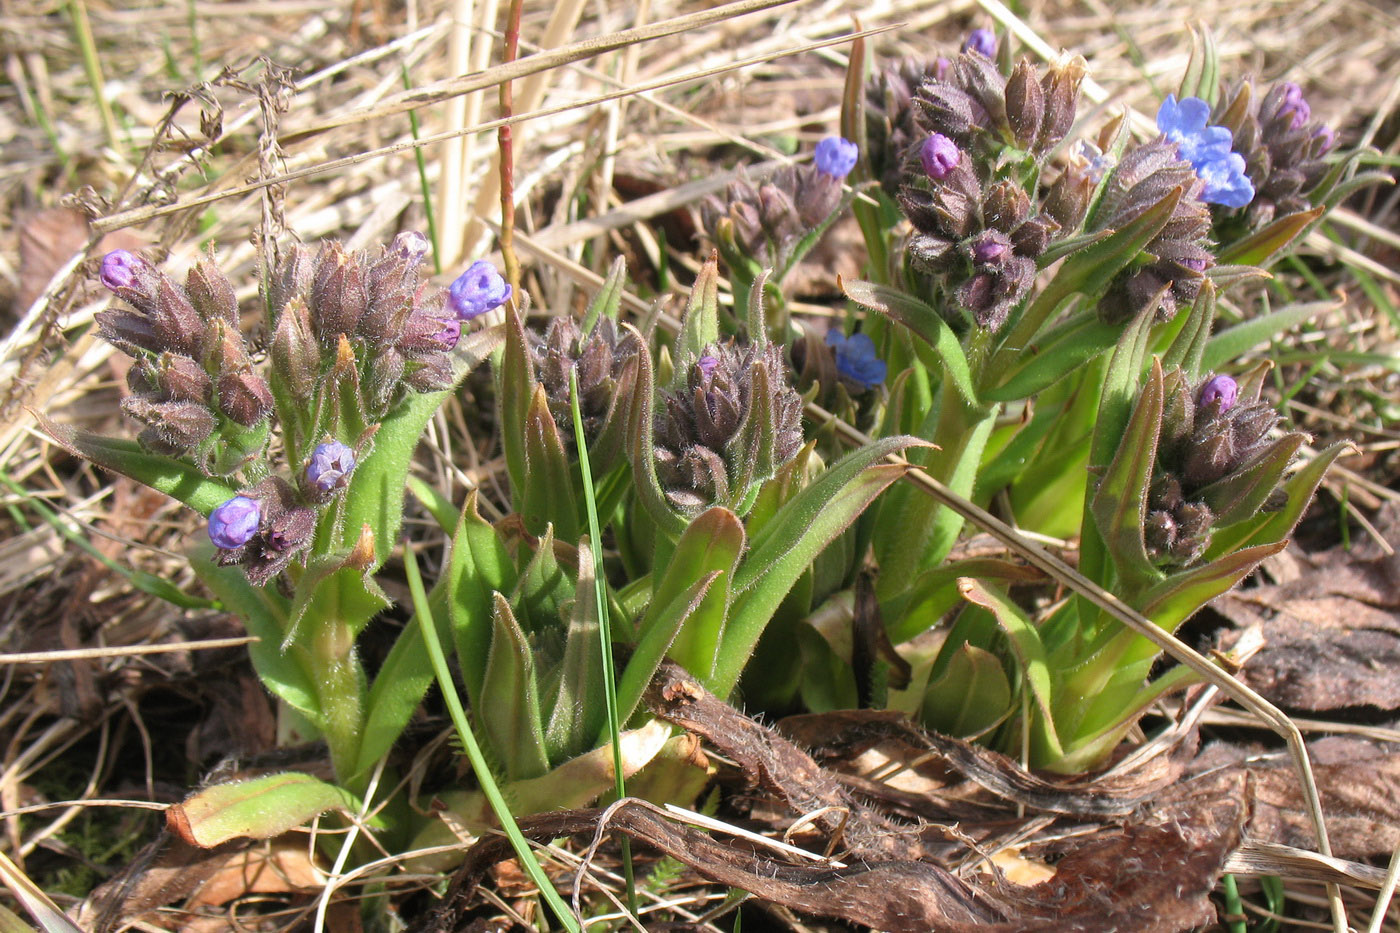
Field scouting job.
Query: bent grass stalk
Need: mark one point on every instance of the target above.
(489, 789)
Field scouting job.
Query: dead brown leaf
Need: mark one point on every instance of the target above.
(1332, 627)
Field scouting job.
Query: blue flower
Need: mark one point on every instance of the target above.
(234, 523)
(856, 359)
(330, 465)
(836, 156)
(1207, 148)
(478, 290)
(981, 41)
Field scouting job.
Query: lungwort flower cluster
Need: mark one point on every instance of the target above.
(352, 336)
(1208, 149)
(1215, 464)
(764, 221)
(1281, 145)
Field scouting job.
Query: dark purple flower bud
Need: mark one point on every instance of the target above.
(119, 269)
(329, 467)
(292, 276)
(981, 41)
(478, 290)
(234, 523)
(939, 155)
(707, 365)
(1221, 389)
(245, 397)
(449, 333)
(836, 156)
(1294, 105)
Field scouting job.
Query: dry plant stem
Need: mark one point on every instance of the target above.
(1392, 875)
(1043, 560)
(503, 135)
(676, 196)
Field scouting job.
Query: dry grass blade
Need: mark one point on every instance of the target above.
(541, 61)
(665, 200)
(90, 654)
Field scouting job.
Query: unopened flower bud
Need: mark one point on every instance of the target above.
(836, 156)
(339, 296)
(181, 379)
(296, 356)
(989, 248)
(244, 397)
(777, 212)
(290, 279)
(175, 426)
(1061, 87)
(1005, 206)
(1294, 106)
(234, 523)
(478, 290)
(707, 365)
(1221, 391)
(329, 467)
(211, 293)
(120, 268)
(1025, 104)
(939, 155)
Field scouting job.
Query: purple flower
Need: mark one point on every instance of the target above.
(234, 523)
(856, 359)
(119, 269)
(707, 364)
(988, 251)
(939, 155)
(836, 156)
(981, 41)
(1207, 148)
(1294, 105)
(1220, 389)
(1328, 137)
(330, 466)
(478, 290)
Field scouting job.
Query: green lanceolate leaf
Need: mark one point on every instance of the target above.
(1119, 505)
(711, 544)
(544, 588)
(1177, 598)
(642, 449)
(924, 321)
(1029, 651)
(334, 590)
(479, 566)
(264, 613)
(1260, 247)
(664, 623)
(1188, 348)
(791, 541)
(509, 713)
(972, 697)
(1272, 527)
(1121, 708)
(1234, 342)
(1059, 353)
(578, 706)
(259, 808)
(375, 494)
(516, 386)
(400, 684)
(609, 298)
(919, 608)
(547, 495)
(176, 479)
(700, 322)
(1241, 494)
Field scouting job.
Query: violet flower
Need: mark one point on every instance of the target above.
(836, 156)
(856, 359)
(330, 465)
(478, 290)
(234, 523)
